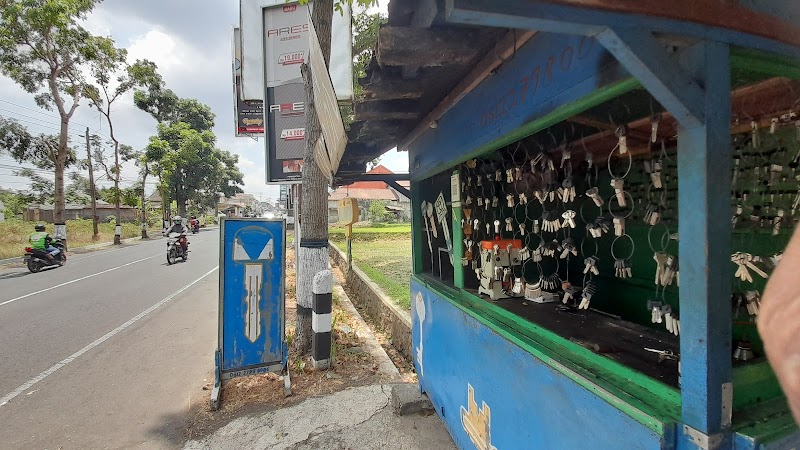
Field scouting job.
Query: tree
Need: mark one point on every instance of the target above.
(41, 188)
(103, 96)
(79, 189)
(365, 36)
(40, 150)
(313, 252)
(377, 210)
(44, 49)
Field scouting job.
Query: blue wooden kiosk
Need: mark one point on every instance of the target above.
(718, 79)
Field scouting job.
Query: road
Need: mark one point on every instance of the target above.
(106, 351)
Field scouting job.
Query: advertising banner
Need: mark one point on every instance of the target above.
(286, 34)
(249, 114)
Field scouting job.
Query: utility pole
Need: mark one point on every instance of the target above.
(95, 231)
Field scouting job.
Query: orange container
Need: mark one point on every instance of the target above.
(502, 243)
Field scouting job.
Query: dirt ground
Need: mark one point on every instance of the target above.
(352, 366)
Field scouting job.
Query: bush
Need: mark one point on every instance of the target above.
(377, 211)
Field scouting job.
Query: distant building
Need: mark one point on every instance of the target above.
(397, 205)
(235, 206)
(105, 210)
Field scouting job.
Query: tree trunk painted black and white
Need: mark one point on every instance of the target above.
(313, 250)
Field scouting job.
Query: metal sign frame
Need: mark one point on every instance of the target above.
(221, 360)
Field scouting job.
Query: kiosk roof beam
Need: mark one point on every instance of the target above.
(716, 20)
(648, 61)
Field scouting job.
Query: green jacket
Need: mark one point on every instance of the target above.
(39, 240)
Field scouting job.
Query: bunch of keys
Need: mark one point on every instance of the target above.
(523, 199)
(509, 224)
(619, 226)
(567, 247)
(652, 214)
(509, 176)
(586, 296)
(745, 261)
(653, 168)
(598, 227)
(524, 253)
(517, 287)
(510, 200)
(666, 268)
(671, 322)
(570, 293)
(550, 221)
(567, 190)
(551, 248)
(656, 315)
(495, 202)
(618, 185)
(622, 269)
(569, 219)
(594, 194)
(566, 155)
(536, 254)
(753, 302)
(550, 283)
(590, 265)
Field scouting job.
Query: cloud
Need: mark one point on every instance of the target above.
(189, 40)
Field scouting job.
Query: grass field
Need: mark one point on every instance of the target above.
(385, 256)
(14, 235)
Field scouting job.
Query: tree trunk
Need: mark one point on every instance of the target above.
(60, 231)
(144, 201)
(118, 226)
(313, 255)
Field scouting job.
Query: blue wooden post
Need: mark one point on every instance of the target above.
(704, 191)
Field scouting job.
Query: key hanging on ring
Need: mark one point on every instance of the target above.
(655, 119)
(621, 133)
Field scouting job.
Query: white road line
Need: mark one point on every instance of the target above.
(77, 279)
(105, 337)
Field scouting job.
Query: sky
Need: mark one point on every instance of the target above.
(190, 41)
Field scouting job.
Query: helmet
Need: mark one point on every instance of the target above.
(176, 219)
(39, 227)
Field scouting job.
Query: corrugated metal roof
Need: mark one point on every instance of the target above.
(363, 194)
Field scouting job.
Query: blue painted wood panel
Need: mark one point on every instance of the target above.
(550, 71)
(252, 307)
(518, 402)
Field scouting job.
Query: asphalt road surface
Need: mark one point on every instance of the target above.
(105, 351)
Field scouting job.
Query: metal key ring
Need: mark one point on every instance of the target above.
(663, 200)
(630, 162)
(614, 242)
(610, 200)
(650, 238)
(596, 246)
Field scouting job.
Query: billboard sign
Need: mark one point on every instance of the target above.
(286, 33)
(252, 297)
(249, 114)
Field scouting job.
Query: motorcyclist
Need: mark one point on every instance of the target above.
(41, 240)
(180, 228)
(193, 223)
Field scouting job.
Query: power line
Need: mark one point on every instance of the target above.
(44, 112)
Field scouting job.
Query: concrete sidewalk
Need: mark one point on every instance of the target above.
(356, 418)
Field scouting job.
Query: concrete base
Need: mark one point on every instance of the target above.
(407, 399)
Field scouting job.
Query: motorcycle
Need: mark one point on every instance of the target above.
(37, 259)
(175, 245)
(195, 227)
